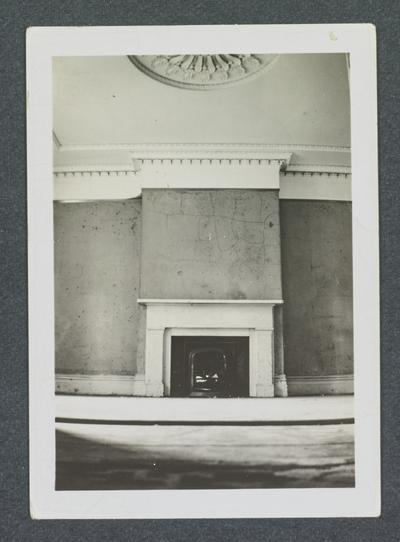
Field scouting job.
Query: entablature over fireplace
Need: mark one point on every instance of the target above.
(209, 166)
(173, 165)
(122, 171)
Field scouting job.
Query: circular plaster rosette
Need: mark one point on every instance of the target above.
(200, 72)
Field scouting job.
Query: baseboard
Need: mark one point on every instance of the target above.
(320, 385)
(81, 384)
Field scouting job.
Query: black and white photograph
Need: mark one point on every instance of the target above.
(204, 211)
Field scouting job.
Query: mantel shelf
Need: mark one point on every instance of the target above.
(210, 301)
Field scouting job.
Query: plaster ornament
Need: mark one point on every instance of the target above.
(202, 72)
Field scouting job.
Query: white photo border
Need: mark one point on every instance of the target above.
(43, 43)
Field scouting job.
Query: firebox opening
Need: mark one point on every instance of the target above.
(209, 366)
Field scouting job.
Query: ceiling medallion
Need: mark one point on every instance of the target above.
(202, 71)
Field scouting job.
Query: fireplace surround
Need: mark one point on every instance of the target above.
(254, 319)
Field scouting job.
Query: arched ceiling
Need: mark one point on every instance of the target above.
(299, 100)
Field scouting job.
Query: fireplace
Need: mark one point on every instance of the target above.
(235, 337)
(209, 366)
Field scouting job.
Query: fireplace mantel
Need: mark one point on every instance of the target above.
(210, 301)
(166, 318)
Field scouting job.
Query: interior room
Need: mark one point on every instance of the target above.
(218, 211)
(203, 250)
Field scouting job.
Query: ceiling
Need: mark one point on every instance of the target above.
(298, 100)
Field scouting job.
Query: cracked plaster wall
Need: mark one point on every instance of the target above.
(317, 287)
(97, 318)
(218, 244)
(211, 244)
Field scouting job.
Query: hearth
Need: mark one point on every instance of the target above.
(209, 366)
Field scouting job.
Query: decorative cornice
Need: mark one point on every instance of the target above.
(202, 72)
(122, 171)
(309, 185)
(93, 171)
(315, 158)
(281, 161)
(176, 145)
(218, 154)
(138, 164)
(125, 159)
(202, 147)
(317, 171)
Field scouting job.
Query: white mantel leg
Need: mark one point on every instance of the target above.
(265, 360)
(153, 363)
(280, 383)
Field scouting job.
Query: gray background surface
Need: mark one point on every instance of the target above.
(15, 17)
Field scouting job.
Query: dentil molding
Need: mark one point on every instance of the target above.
(122, 171)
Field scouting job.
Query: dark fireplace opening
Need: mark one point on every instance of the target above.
(203, 366)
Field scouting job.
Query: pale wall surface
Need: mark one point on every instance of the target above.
(211, 244)
(97, 247)
(317, 287)
(190, 251)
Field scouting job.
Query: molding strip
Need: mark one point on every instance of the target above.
(81, 384)
(179, 148)
(320, 385)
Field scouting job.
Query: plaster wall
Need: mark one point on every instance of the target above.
(211, 244)
(317, 287)
(97, 256)
(201, 244)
